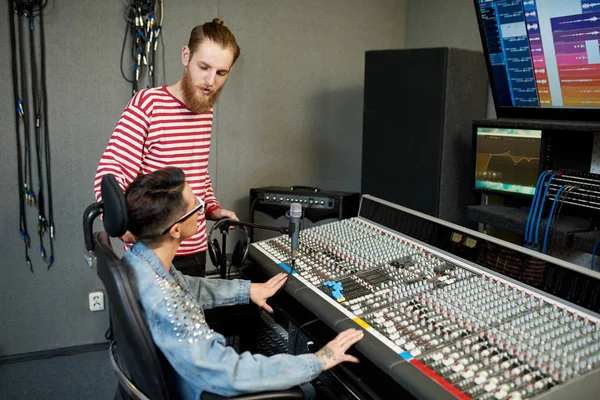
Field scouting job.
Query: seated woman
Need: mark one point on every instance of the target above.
(162, 213)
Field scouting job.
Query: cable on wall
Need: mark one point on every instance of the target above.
(31, 128)
(144, 21)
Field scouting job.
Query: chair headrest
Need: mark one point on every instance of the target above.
(115, 207)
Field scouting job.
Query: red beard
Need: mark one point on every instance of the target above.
(193, 98)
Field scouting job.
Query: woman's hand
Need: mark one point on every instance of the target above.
(334, 352)
(260, 292)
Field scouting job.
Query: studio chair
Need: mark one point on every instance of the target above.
(141, 369)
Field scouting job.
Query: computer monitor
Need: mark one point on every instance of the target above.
(507, 161)
(543, 57)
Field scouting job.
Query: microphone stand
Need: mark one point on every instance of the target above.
(225, 229)
(281, 229)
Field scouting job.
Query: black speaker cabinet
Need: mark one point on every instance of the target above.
(268, 206)
(419, 106)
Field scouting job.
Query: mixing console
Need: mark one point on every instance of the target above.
(475, 333)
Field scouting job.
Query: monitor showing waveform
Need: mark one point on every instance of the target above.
(507, 160)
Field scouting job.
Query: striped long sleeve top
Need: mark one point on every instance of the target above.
(157, 130)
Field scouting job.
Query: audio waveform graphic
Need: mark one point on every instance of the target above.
(586, 6)
(486, 158)
(576, 43)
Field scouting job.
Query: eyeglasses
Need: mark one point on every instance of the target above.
(197, 207)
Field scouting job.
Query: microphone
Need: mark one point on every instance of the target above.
(294, 227)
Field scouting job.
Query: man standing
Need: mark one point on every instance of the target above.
(171, 126)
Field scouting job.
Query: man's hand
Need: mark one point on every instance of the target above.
(260, 292)
(222, 213)
(334, 352)
(128, 237)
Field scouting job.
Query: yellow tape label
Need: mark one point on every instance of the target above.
(362, 323)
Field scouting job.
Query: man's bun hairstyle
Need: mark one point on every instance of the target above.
(217, 32)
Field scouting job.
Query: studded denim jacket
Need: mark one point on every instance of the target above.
(173, 305)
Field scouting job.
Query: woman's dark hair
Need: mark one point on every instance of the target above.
(154, 200)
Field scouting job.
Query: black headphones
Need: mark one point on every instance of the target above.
(240, 251)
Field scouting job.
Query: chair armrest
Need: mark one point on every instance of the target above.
(124, 382)
(293, 393)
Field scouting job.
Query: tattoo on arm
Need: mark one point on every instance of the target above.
(324, 355)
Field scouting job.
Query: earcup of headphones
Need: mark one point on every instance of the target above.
(237, 257)
(214, 251)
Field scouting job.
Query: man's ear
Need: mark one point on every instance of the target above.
(185, 56)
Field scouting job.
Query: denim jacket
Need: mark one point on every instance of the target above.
(173, 305)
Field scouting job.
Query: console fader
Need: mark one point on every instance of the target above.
(471, 330)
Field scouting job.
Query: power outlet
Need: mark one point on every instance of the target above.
(96, 301)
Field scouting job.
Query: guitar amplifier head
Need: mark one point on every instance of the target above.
(268, 206)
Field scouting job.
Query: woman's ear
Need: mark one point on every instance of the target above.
(175, 231)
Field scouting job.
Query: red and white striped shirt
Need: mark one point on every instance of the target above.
(157, 130)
